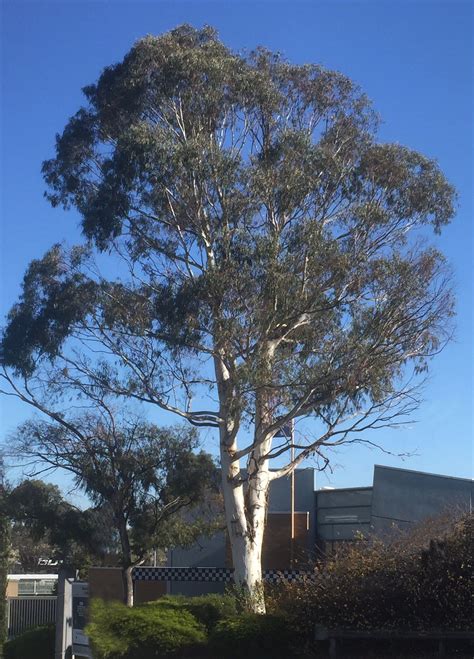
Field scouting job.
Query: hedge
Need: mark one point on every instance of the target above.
(420, 581)
(142, 631)
(207, 609)
(252, 635)
(176, 626)
(37, 643)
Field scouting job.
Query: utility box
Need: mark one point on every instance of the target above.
(80, 603)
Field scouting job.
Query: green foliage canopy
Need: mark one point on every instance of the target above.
(140, 478)
(253, 206)
(142, 631)
(43, 521)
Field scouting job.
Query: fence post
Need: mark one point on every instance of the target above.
(63, 644)
(7, 633)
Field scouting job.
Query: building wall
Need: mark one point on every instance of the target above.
(279, 551)
(280, 498)
(398, 498)
(212, 551)
(342, 515)
(12, 589)
(206, 552)
(106, 583)
(215, 552)
(402, 497)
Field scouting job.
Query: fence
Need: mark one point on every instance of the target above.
(213, 574)
(441, 638)
(26, 612)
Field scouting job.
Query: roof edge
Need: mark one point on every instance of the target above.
(423, 473)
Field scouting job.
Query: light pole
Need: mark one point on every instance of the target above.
(288, 432)
(292, 495)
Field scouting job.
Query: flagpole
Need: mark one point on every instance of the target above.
(292, 496)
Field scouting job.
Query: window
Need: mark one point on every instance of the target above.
(45, 587)
(28, 587)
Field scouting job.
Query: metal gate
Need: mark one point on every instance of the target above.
(27, 612)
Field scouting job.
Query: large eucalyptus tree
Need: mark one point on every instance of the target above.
(268, 253)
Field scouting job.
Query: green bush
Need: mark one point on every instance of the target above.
(252, 635)
(420, 581)
(142, 632)
(37, 643)
(207, 609)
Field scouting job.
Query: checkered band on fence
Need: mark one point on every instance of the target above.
(275, 576)
(215, 574)
(182, 574)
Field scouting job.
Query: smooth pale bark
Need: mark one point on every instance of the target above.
(245, 497)
(245, 526)
(245, 542)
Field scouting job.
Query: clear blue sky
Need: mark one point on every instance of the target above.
(414, 59)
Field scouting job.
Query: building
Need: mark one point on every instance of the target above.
(30, 585)
(327, 517)
(278, 550)
(398, 498)
(323, 519)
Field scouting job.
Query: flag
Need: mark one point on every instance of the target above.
(285, 431)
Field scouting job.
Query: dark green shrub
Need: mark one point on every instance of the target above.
(4, 556)
(35, 643)
(252, 635)
(142, 632)
(207, 609)
(419, 581)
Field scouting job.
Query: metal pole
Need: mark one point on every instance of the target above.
(292, 454)
(63, 644)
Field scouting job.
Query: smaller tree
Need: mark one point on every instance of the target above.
(145, 475)
(44, 524)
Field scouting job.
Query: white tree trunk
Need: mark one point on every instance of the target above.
(245, 528)
(245, 499)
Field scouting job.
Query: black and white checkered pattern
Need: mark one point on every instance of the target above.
(214, 574)
(275, 576)
(182, 574)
